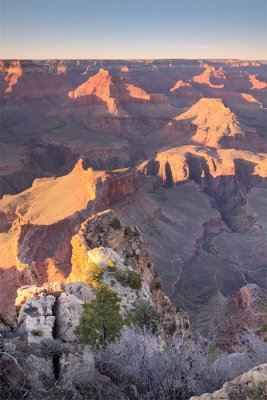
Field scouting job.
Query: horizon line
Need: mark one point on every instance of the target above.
(129, 59)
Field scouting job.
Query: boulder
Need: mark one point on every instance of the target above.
(77, 367)
(40, 372)
(68, 312)
(10, 370)
(80, 290)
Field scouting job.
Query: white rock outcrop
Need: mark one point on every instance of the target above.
(36, 319)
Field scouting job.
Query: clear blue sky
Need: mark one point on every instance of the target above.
(133, 29)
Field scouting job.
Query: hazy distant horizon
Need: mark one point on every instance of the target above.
(140, 29)
(134, 59)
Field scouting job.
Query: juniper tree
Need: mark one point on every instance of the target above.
(100, 321)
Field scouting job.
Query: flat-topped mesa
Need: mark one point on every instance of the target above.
(214, 122)
(200, 163)
(111, 89)
(46, 202)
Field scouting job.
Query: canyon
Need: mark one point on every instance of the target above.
(176, 148)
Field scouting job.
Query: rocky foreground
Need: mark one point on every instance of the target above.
(251, 385)
(43, 334)
(42, 357)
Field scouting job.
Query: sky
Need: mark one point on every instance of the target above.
(87, 29)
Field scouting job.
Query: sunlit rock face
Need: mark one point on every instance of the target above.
(112, 90)
(202, 163)
(209, 73)
(13, 72)
(256, 83)
(38, 224)
(213, 121)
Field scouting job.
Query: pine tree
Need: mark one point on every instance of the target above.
(100, 321)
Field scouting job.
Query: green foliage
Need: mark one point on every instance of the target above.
(264, 328)
(172, 328)
(100, 321)
(144, 315)
(37, 332)
(4, 320)
(212, 352)
(128, 278)
(94, 272)
(51, 347)
(126, 263)
(115, 223)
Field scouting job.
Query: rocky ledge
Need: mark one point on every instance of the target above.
(251, 385)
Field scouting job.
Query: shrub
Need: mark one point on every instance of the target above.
(51, 347)
(112, 265)
(94, 272)
(173, 373)
(157, 285)
(4, 320)
(144, 315)
(37, 332)
(126, 263)
(129, 278)
(172, 328)
(115, 223)
(264, 328)
(100, 321)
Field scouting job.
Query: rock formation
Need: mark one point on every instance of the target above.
(206, 76)
(213, 120)
(200, 163)
(250, 385)
(98, 242)
(111, 89)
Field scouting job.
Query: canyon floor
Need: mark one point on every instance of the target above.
(175, 147)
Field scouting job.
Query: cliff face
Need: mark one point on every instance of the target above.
(38, 224)
(105, 230)
(205, 165)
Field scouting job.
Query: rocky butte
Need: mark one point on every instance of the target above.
(135, 188)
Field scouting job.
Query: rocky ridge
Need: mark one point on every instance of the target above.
(250, 385)
(49, 313)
